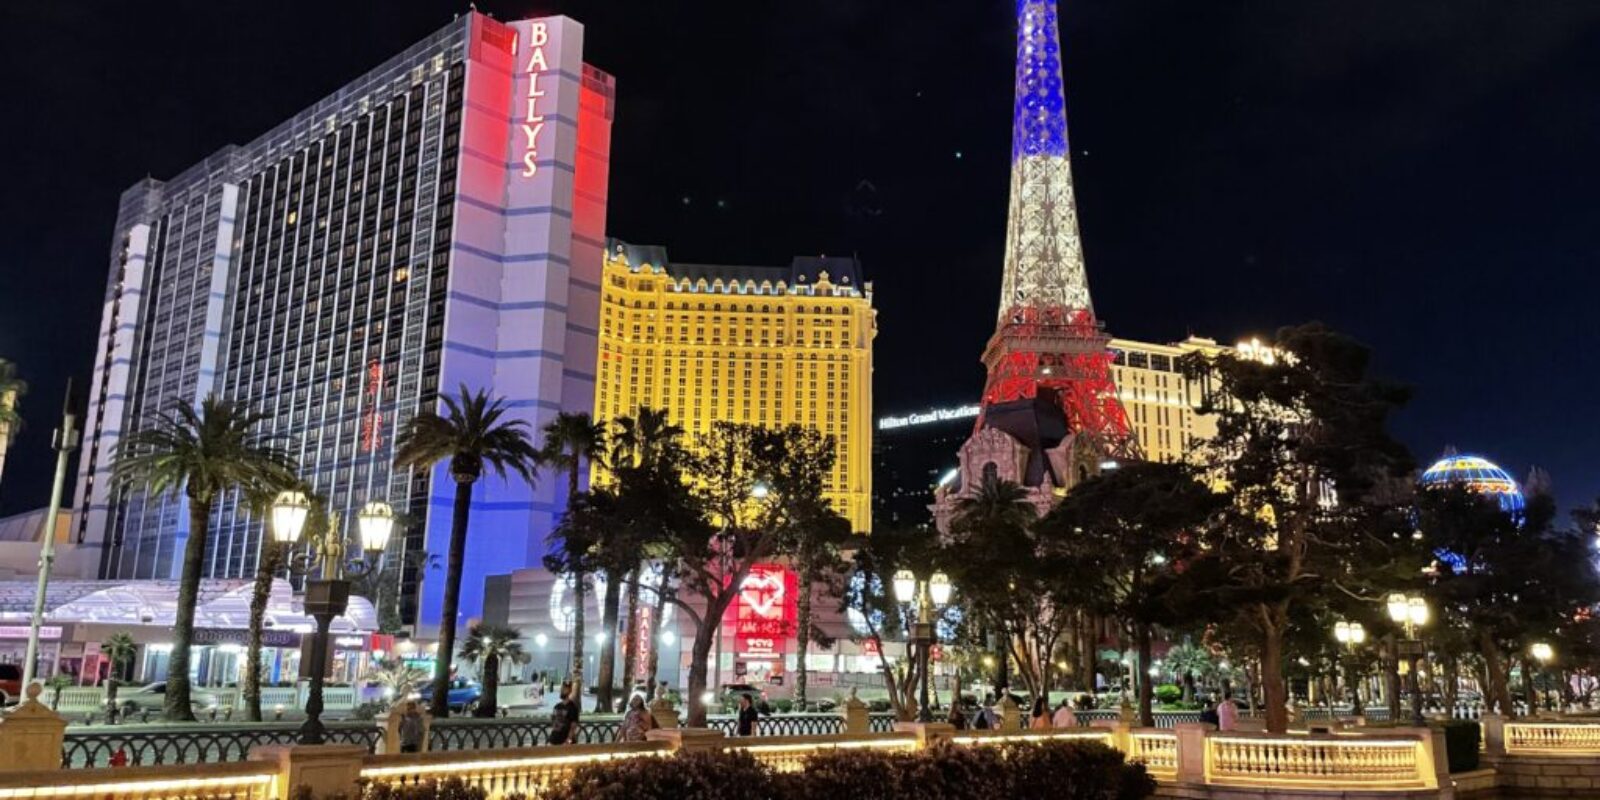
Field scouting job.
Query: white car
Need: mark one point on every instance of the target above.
(153, 697)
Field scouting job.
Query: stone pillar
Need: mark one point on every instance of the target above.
(389, 723)
(928, 733)
(327, 770)
(688, 739)
(1121, 733)
(30, 736)
(1010, 714)
(1192, 750)
(857, 715)
(1494, 734)
(663, 713)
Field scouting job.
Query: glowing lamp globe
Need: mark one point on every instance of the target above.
(905, 586)
(376, 522)
(289, 512)
(939, 587)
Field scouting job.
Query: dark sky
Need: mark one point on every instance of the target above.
(1419, 174)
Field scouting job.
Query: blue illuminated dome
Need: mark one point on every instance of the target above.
(1480, 475)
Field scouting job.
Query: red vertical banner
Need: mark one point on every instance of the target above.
(764, 614)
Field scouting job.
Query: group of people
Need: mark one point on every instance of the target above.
(1224, 714)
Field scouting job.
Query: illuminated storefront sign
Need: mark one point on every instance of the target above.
(532, 119)
(21, 632)
(925, 417)
(764, 613)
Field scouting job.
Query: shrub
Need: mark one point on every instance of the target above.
(878, 705)
(1461, 744)
(784, 705)
(448, 789)
(827, 704)
(1050, 769)
(1168, 693)
(700, 775)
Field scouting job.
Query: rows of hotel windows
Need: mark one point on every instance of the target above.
(166, 367)
(763, 387)
(338, 310)
(341, 251)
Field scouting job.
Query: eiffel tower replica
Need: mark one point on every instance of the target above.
(1050, 414)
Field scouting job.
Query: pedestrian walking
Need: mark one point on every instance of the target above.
(637, 722)
(410, 728)
(564, 716)
(1065, 717)
(1041, 714)
(1227, 713)
(747, 716)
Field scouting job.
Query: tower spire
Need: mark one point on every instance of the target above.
(1044, 258)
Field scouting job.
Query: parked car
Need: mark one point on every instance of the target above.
(464, 694)
(153, 697)
(10, 683)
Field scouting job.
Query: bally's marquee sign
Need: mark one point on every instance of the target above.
(532, 115)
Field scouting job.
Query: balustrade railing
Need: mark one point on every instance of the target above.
(1552, 737)
(789, 754)
(1157, 749)
(976, 737)
(1319, 760)
(526, 772)
(251, 780)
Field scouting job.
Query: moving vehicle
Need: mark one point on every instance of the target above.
(153, 697)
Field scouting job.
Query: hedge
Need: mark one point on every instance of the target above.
(1065, 770)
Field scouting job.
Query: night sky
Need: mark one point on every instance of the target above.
(1419, 174)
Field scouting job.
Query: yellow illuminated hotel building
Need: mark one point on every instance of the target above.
(762, 345)
(1162, 404)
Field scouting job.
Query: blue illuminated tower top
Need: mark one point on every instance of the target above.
(1039, 118)
(1044, 272)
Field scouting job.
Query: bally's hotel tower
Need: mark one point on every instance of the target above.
(437, 222)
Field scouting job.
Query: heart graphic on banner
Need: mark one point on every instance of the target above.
(763, 593)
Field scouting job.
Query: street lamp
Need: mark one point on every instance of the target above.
(1411, 613)
(328, 595)
(1543, 653)
(1352, 635)
(935, 591)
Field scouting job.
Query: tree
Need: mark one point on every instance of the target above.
(713, 561)
(1006, 588)
(398, 679)
(269, 563)
(118, 650)
(1125, 536)
(490, 645)
(11, 389)
(204, 453)
(1507, 581)
(570, 441)
(647, 446)
(472, 434)
(813, 532)
(1303, 450)
(868, 599)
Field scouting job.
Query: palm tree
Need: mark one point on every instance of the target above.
(995, 518)
(204, 453)
(270, 562)
(118, 650)
(650, 442)
(491, 644)
(471, 434)
(11, 388)
(570, 440)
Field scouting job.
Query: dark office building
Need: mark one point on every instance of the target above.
(910, 454)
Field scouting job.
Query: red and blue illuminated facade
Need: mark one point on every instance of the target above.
(437, 222)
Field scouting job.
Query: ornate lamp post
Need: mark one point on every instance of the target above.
(328, 595)
(1352, 635)
(1543, 653)
(926, 595)
(1411, 613)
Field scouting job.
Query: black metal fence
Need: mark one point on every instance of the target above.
(211, 743)
(142, 745)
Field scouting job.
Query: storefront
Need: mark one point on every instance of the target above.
(80, 615)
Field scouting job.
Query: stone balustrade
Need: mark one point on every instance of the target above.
(1321, 760)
